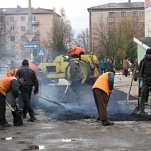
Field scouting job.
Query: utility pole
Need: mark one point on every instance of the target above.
(29, 16)
(30, 26)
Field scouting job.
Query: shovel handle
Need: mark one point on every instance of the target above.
(9, 106)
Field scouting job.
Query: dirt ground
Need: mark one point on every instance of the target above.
(75, 128)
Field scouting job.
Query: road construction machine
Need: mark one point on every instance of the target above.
(59, 69)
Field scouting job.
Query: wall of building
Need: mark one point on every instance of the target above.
(147, 18)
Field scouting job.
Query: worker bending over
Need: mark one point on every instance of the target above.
(102, 89)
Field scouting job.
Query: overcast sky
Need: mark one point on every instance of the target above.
(76, 10)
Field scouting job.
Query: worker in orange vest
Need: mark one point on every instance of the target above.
(76, 52)
(102, 89)
(7, 84)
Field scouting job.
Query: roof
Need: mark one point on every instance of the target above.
(145, 40)
(126, 5)
(18, 10)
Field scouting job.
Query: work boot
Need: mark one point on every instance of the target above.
(98, 120)
(140, 112)
(32, 119)
(107, 123)
(6, 124)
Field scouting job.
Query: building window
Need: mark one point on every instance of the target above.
(135, 13)
(12, 28)
(33, 18)
(22, 18)
(111, 24)
(2, 18)
(123, 14)
(2, 26)
(12, 19)
(12, 51)
(33, 28)
(22, 38)
(23, 28)
(12, 38)
(111, 14)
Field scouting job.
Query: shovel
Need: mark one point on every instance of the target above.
(64, 94)
(9, 106)
(51, 101)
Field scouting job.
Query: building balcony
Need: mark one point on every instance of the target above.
(35, 23)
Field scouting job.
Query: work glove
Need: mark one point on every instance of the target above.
(35, 92)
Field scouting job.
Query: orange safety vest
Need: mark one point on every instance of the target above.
(76, 50)
(5, 85)
(102, 83)
(12, 73)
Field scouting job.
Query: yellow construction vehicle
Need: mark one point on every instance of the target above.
(59, 69)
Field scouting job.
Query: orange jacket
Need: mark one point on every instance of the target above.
(12, 72)
(76, 50)
(5, 85)
(103, 83)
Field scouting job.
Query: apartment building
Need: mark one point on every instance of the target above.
(21, 42)
(112, 14)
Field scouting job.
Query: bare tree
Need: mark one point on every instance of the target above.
(60, 37)
(82, 39)
(116, 42)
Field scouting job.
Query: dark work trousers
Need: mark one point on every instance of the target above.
(26, 96)
(144, 95)
(2, 109)
(101, 101)
(76, 87)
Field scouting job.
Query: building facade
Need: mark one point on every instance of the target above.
(147, 18)
(20, 42)
(112, 14)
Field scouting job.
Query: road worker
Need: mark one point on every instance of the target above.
(76, 77)
(7, 84)
(145, 77)
(102, 89)
(76, 52)
(31, 81)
